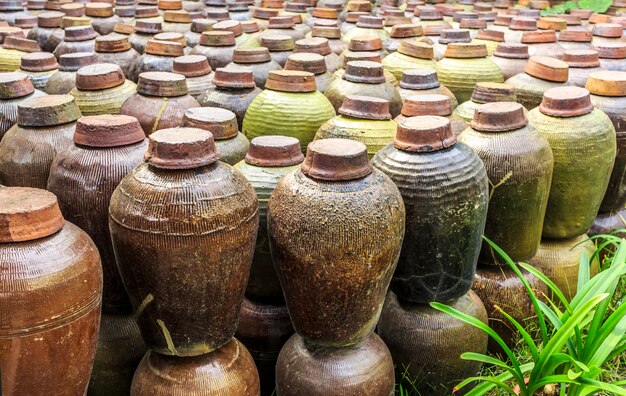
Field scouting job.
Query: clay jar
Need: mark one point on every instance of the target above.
(10, 10)
(320, 46)
(607, 33)
(611, 55)
(434, 105)
(423, 82)
(159, 241)
(45, 126)
(583, 142)
(116, 49)
(364, 78)
(144, 31)
(64, 80)
(197, 72)
(192, 37)
(402, 32)
(77, 39)
(519, 166)
(517, 27)
(543, 43)
(463, 66)
(335, 184)
(581, 64)
(256, 60)
(222, 123)
(101, 88)
(280, 47)
(48, 23)
(160, 101)
(178, 21)
(511, 58)
(445, 191)
(12, 51)
(333, 35)
(415, 333)
(540, 74)
(52, 289)
(105, 149)
(158, 57)
(365, 43)
(491, 39)
(450, 36)
(39, 66)
(217, 46)
(575, 39)
(282, 25)
(242, 40)
(485, 93)
(268, 160)
(15, 88)
(364, 119)
(411, 55)
(312, 63)
(102, 17)
(367, 25)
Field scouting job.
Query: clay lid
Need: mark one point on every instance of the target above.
(281, 22)
(27, 214)
(274, 151)
(530, 13)
(552, 23)
(581, 58)
(39, 62)
(455, 36)
(277, 42)
(108, 131)
(15, 85)
(35, 4)
(523, 24)
(336, 160)
(173, 37)
(460, 15)
(21, 44)
(431, 104)
(416, 49)
(406, 30)
(217, 15)
(548, 69)
(99, 76)
(217, 38)
(7, 31)
(231, 26)
(73, 9)
(99, 10)
(611, 30)
(148, 27)
(580, 36)
(621, 20)
(177, 16)
(125, 12)
(482, 7)
(328, 32)
(424, 134)
(512, 51)
(291, 81)
(11, 5)
(170, 5)
(607, 83)
(251, 55)
(365, 43)
(71, 21)
(499, 117)
(599, 18)
(583, 14)
(164, 48)
(349, 56)
(181, 148)
(397, 20)
(490, 35)
(234, 77)
(326, 22)
(161, 84)
(352, 17)
(312, 63)
(202, 25)
(566, 102)
(419, 79)
(123, 29)
(296, 7)
(112, 43)
(146, 12)
(359, 5)
(427, 14)
(364, 72)
(365, 107)
(610, 50)
(325, 13)
(473, 24)
(466, 50)
(79, 33)
(25, 21)
(48, 110)
(265, 13)
(192, 65)
(503, 20)
(488, 92)
(76, 60)
(316, 45)
(243, 6)
(250, 26)
(370, 22)
(539, 36)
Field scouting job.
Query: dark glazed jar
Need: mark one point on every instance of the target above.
(63, 81)
(45, 126)
(48, 23)
(144, 31)
(197, 72)
(101, 88)
(256, 60)
(116, 49)
(102, 17)
(158, 57)
(423, 82)
(540, 74)
(581, 64)
(106, 148)
(183, 212)
(312, 63)
(432, 105)
(51, 294)
(217, 46)
(519, 166)
(445, 191)
(15, 88)
(77, 39)
(511, 58)
(160, 101)
(342, 205)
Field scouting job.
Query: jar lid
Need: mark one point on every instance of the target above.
(231, 26)
(405, 30)
(419, 79)
(580, 36)
(359, 5)
(75, 60)
(416, 49)
(242, 6)
(430, 104)
(73, 9)
(266, 13)
(251, 55)
(365, 43)
(7, 31)
(427, 14)
(620, 20)
(455, 36)
(488, 92)
(74, 21)
(295, 7)
(28, 214)
(607, 83)
(325, 13)
(11, 5)
(523, 24)
(234, 77)
(316, 45)
(177, 16)
(79, 33)
(424, 134)
(393, 20)
(581, 58)
(539, 36)
(20, 44)
(548, 69)
(148, 27)
(250, 26)
(328, 32)
(274, 151)
(490, 35)
(125, 12)
(25, 21)
(610, 50)
(164, 48)
(610, 30)
(583, 14)
(599, 18)
(365, 107)
(277, 42)
(370, 22)
(481, 6)
(304, 61)
(503, 20)
(291, 81)
(364, 72)
(181, 148)
(352, 17)
(99, 76)
(530, 13)
(39, 62)
(473, 24)
(192, 65)
(466, 50)
(100, 10)
(217, 15)
(35, 4)
(161, 84)
(272, 3)
(221, 123)
(460, 15)
(48, 110)
(173, 37)
(336, 160)
(281, 22)
(108, 131)
(216, 38)
(349, 56)
(552, 23)
(112, 43)
(499, 117)
(146, 12)
(15, 85)
(202, 25)
(123, 29)
(170, 5)
(512, 51)
(566, 102)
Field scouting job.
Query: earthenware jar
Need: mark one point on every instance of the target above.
(102, 17)
(422, 152)
(485, 93)
(607, 223)
(491, 38)
(174, 37)
(197, 72)
(156, 235)
(8, 31)
(15, 88)
(144, 31)
(257, 60)
(511, 58)
(116, 49)
(312, 63)
(581, 64)
(350, 21)
(279, 46)
(365, 43)
(612, 55)
(321, 16)
(540, 74)
(519, 166)
(282, 25)
(333, 35)
(48, 23)
(64, 80)
(517, 27)
(13, 48)
(411, 54)
(101, 88)
(158, 56)
(415, 333)
(423, 82)
(319, 45)
(432, 105)
(77, 39)
(242, 40)
(542, 43)
(367, 25)
(240, 11)
(463, 66)
(450, 36)
(575, 39)
(176, 21)
(106, 148)
(197, 27)
(217, 46)
(52, 290)
(45, 126)
(583, 142)
(400, 33)
(607, 33)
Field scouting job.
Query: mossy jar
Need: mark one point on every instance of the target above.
(64, 80)
(101, 88)
(511, 58)
(540, 74)
(581, 64)
(290, 104)
(13, 48)
(257, 60)
(432, 105)
(144, 31)
(485, 93)
(115, 48)
(15, 88)
(312, 63)
(423, 82)
(411, 54)
(158, 56)
(583, 142)
(543, 43)
(217, 46)
(320, 45)
(197, 72)
(77, 39)
(39, 67)
(48, 23)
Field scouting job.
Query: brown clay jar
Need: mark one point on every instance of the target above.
(77, 39)
(52, 289)
(312, 63)
(48, 23)
(282, 25)
(178, 21)
(101, 88)
(45, 126)
(144, 31)
(607, 33)
(402, 32)
(365, 43)
(217, 46)
(183, 212)
(116, 49)
(320, 46)
(333, 35)
(10, 10)
(611, 55)
(106, 148)
(449, 36)
(511, 58)
(39, 67)
(540, 74)
(64, 80)
(256, 60)
(158, 57)
(198, 26)
(242, 39)
(575, 39)
(198, 74)
(15, 88)
(581, 64)
(432, 105)
(102, 17)
(280, 47)
(423, 82)
(160, 101)
(543, 43)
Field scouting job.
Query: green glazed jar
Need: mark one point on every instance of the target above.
(423, 82)
(101, 88)
(291, 105)
(485, 93)
(268, 160)
(463, 66)
(432, 105)
(540, 74)
(519, 165)
(583, 142)
(410, 55)
(364, 119)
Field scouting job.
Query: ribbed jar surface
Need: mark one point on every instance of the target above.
(461, 75)
(375, 134)
(235, 100)
(199, 85)
(8, 111)
(466, 111)
(10, 59)
(491, 45)
(103, 101)
(398, 63)
(529, 90)
(155, 112)
(340, 88)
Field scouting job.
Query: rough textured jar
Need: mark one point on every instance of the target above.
(102, 17)
(64, 80)
(48, 23)
(445, 191)
(116, 49)
(158, 57)
(517, 27)
(519, 166)
(343, 205)
(575, 39)
(320, 46)
(101, 88)
(463, 66)
(280, 47)
(197, 72)
(543, 43)
(540, 74)
(77, 39)
(153, 240)
(511, 58)
(411, 54)
(106, 148)
(144, 31)
(423, 82)
(217, 46)
(312, 63)
(15, 88)
(581, 64)
(583, 142)
(256, 60)
(12, 51)
(228, 370)
(52, 289)
(416, 333)
(432, 105)
(291, 105)
(45, 126)
(485, 93)
(604, 33)
(612, 55)
(198, 26)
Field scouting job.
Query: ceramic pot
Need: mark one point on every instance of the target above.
(101, 88)
(540, 74)
(48, 23)
(450, 36)
(485, 93)
(256, 60)
(198, 26)
(491, 38)
(608, 223)
(116, 49)
(157, 57)
(10, 10)
(611, 55)
(15, 88)
(282, 25)
(365, 43)
(217, 46)
(312, 63)
(367, 25)
(242, 40)
(423, 82)
(144, 31)
(410, 55)
(77, 39)
(103, 19)
(197, 72)
(280, 47)
(402, 32)
(320, 46)
(579, 39)
(543, 43)
(333, 35)
(13, 48)
(581, 64)
(64, 80)
(39, 67)
(511, 58)
(177, 21)
(433, 105)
